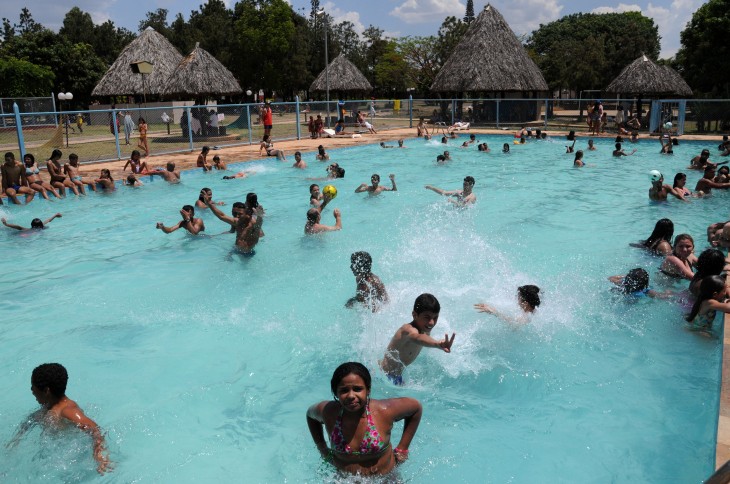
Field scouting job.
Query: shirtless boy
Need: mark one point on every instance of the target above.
(376, 187)
(48, 384)
(248, 226)
(14, 181)
(370, 290)
(72, 170)
(35, 224)
(461, 197)
(314, 215)
(410, 338)
(659, 190)
(620, 152)
(298, 161)
(188, 222)
(170, 175)
(706, 183)
(58, 179)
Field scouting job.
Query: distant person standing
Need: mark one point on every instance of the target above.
(267, 117)
(128, 127)
(80, 122)
(372, 107)
(142, 127)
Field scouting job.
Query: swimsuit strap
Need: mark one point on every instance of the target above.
(371, 442)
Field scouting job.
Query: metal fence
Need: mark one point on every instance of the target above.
(111, 134)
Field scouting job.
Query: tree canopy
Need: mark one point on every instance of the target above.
(586, 51)
(704, 56)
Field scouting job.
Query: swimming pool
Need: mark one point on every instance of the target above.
(200, 364)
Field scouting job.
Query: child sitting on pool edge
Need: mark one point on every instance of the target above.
(410, 338)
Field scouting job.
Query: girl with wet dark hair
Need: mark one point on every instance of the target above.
(359, 428)
(660, 240)
(712, 297)
(528, 298)
(711, 262)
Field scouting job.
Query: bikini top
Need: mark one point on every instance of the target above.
(371, 442)
(31, 171)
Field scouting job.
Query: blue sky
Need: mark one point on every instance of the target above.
(395, 17)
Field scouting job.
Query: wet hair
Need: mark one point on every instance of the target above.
(203, 192)
(375, 175)
(440, 158)
(170, 164)
(571, 136)
(299, 153)
(135, 153)
(530, 294)
(472, 136)
(320, 149)
(350, 368)
(677, 177)
(216, 158)
(238, 205)
(10, 155)
(107, 173)
(52, 376)
(340, 172)
(363, 261)
(619, 139)
(538, 133)
(189, 208)
(618, 146)
(636, 280)
(590, 142)
(56, 154)
(73, 157)
(723, 170)
(710, 262)
(505, 148)
(131, 180)
(252, 200)
(469, 180)
(663, 230)
(426, 302)
(30, 157)
(36, 223)
(708, 287)
(141, 120)
(205, 149)
(312, 215)
(578, 155)
(311, 187)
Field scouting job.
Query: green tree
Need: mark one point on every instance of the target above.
(469, 15)
(212, 25)
(20, 78)
(449, 36)
(390, 69)
(78, 27)
(297, 60)
(157, 20)
(609, 43)
(704, 56)
(110, 40)
(375, 48)
(181, 34)
(422, 61)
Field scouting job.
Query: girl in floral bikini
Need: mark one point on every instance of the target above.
(359, 428)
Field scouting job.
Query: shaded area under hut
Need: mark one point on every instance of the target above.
(345, 80)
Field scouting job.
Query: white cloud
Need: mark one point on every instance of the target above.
(524, 16)
(338, 15)
(622, 7)
(425, 11)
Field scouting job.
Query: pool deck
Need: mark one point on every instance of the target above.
(235, 154)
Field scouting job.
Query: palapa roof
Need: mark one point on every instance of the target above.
(644, 77)
(149, 46)
(489, 58)
(199, 73)
(344, 76)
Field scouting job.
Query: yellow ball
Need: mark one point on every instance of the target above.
(330, 191)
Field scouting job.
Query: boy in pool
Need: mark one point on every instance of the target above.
(370, 290)
(188, 222)
(35, 224)
(410, 338)
(460, 197)
(48, 384)
(636, 284)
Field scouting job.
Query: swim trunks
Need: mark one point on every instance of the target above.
(395, 379)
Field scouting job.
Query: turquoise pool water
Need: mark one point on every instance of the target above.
(201, 365)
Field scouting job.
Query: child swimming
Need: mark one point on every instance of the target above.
(528, 298)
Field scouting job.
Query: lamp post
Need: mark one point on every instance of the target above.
(321, 13)
(64, 96)
(145, 69)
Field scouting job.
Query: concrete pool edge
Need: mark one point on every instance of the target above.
(722, 448)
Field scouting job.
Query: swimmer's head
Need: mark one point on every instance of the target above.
(590, 142)
(469, 180)
(29, 159)
(297, 155)
(571, 136)
(710, 262)
(711, 287)
(321, 151)
(440, 159)
(361, 263)
(189, 209)
(170, 166)
(636, 280)
(252, 200)
(131, 180)
(426, 302)
(56, 154)
(238, 209)
(217, 160)
(36, 223)
(709, 171)
(73, 158)
(105, 173)
(49, 378)
(444, 140)
(530, 294)
(472, 137)
(205, 192)
(678, 179)
(350, 368)
(505, 148)
(375, 179)
(543, 135)
(655, 176)
(579, 155)
(400, 143)
(723, 170)
(313, 188)
(705, 153)
(313, 216)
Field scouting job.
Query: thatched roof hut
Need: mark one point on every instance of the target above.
(489, 58)
(645, 78)
(344, 77)
(200, 74)
(149, 46)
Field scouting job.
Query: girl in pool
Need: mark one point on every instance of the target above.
(711, 262)
(359, 428)
(680, 180)
(659, 242)
(636, 283)
(505, 148)
(528, 297)
(680, 262)
(268, 145)
(105, 180)
(711, 299)
(322, 154)
(578, 161)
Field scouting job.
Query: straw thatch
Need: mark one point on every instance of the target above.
(645, 78)
(200, 74)
(489, 58)
(149, 46)
(344, 77)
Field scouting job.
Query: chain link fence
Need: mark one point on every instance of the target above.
(111, 133)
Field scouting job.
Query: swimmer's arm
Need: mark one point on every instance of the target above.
(196, 227)
(512, 321)
(617, 280)
(409, 410)
(676, 193)
(659, 295)
(12, 226)
(429, 342)
(51, 219)
(168, 230)
(126, 165)
(685, 271)
(392, 179)
(719, 306)
(325, 200)
(439, 190)
(315, 421)
(23, 428)
(217, 212)
(77, 416)
(362, 188)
